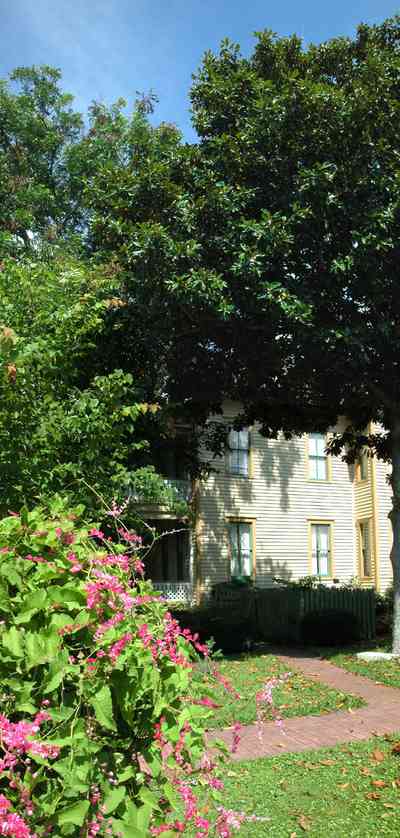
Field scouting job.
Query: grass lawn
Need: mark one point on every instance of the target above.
(299, 696)
(383, 672)
(351, 790)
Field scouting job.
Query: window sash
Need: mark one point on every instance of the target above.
(321, 549)
(317, 457)
(241, 548)
(239, 448)
(365, 548)
(362, 464)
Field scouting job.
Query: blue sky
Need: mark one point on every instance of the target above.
(111, 48)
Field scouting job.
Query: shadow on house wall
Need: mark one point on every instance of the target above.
(274, 467)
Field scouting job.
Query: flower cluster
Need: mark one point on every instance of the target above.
(18, 738)
(98, 641)
(10, 823)
(265, 696)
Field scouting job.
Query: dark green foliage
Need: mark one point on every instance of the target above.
(330, 627)
(37, 130)
(229, 633)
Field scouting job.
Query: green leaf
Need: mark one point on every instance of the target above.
(114, 798)
(144, 814)
(74, 814)
(12, 641)
(54, 682)
(127, 774)
(127, 830)
(11, 575)
(102, 705)
(41, 647)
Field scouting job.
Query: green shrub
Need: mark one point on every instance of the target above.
(331, 627)
(229, 632)
(101, 722)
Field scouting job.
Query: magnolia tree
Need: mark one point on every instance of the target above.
(271, 259)
(102, 723)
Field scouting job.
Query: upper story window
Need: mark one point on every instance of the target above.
(362, 467)
(317, 457)
(239, 452)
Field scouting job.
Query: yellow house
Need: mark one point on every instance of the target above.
(280, 509)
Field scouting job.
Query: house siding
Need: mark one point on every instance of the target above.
(364, 508)
(282, 501)
(384, 504)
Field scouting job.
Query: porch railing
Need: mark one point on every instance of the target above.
(174, 491)
(176, 591)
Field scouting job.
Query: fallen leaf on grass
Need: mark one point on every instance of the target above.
(365, 771)
(327, 761)
(305, 823)
(343, 785)
(378, 756)
(389, 806)
(396, 783)
(373, 795)
(396, 748)
(379, 784)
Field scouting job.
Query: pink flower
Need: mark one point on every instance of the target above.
(207, 702)
(131, 537)
(109, 624)
(95, 533)
(5, 804)
(18, 737)
(13, 825)
(225, 683)
(237, 727)
(115, 510)
(37, 559)
(119, 646)
(228, 821)
(139, 567)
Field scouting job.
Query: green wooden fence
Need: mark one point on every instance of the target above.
(276, 614)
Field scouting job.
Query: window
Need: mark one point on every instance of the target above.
(365, 548)
(317, 457)
(321, 550)
(241, 548)
(362, 467)
(239, 452)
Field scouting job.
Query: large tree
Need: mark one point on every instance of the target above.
(38, 129)
(313, 135)
(269, 252)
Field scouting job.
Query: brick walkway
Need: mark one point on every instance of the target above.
(380, 716)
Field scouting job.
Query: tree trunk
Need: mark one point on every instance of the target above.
(395, 520)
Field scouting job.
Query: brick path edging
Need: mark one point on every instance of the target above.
(302, 733)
